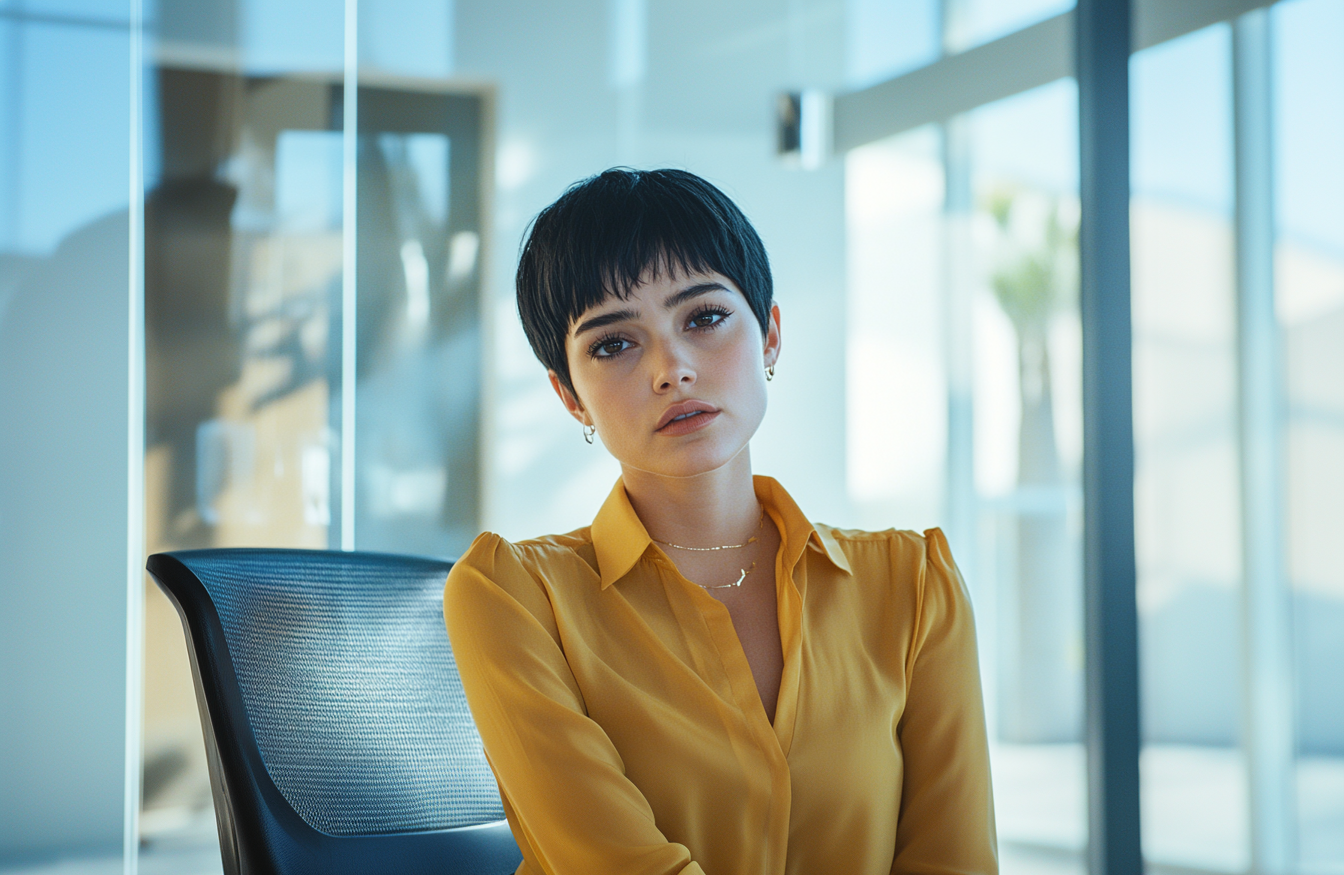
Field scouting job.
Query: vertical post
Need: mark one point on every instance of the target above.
(1103, 45)
(1267, 722)
(957, 285)
(958, 257)
(135, 453)
(349, 266)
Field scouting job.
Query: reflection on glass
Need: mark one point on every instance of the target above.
(244, 269)
(1309, 261)
(420, 247)
(243, 265)
(242, 279)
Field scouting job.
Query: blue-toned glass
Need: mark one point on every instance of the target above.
(1309, 299)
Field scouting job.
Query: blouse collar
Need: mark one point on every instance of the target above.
(620, 539)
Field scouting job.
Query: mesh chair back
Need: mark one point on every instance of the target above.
(351, 689)
(352, 700)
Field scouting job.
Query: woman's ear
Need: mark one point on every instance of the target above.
(569, 399)
(772, 338)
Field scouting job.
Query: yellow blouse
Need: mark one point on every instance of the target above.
(623, 725)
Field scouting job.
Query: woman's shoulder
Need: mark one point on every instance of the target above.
(494, 556)
(496, 577)
(901, 541)
(907, 558)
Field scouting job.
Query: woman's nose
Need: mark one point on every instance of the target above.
(673, 370)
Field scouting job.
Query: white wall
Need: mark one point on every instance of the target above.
(63, 536)
(587, 85)
(64, 494)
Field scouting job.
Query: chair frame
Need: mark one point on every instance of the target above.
(259, 832)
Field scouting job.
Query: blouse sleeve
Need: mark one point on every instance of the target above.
(570, 804)
(947, 806)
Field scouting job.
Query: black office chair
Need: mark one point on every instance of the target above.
(338, 738)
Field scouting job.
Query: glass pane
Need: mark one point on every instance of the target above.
(963, 320)
(244, 288)
(1027, 452)
(1187, 501)
(295, 36)
(243, 268)
(421, 200)
(409, 37)
(1310, 302)
(895, 351)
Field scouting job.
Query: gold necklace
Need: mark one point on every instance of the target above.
(759, 524)
(738, 582)
(745, 571)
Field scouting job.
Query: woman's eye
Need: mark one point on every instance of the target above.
(708, 318)
(608, 347)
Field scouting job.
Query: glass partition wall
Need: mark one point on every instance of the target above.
(249, 228)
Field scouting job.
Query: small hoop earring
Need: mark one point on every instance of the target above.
(588, 432)
(769, 373)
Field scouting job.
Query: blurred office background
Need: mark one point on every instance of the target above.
(331, 355)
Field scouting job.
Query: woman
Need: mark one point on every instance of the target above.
(702, 681)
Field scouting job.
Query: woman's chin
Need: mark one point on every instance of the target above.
(684, 462)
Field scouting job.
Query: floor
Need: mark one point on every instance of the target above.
(1194, 802)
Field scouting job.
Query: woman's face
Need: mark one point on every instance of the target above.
(673, 377)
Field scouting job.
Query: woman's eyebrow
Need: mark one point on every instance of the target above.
(671, 301)
(694, 291)
(606, 319)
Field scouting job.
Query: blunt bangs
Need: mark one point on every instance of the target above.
(610, 232)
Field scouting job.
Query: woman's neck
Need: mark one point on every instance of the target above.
(708, 510)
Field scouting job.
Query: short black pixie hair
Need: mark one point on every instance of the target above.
(609, 232)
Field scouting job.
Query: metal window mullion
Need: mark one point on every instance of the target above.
(1267, 705)
(958, 283)
(135, 454)
(1102, 41)
(349, 266)
(958, 258)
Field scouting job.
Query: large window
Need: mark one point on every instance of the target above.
(979, 212)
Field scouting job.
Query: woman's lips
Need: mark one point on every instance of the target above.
(686, 416)
(697, 420)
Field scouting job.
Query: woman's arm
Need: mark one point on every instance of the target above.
(947, 805)
(570, 804)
